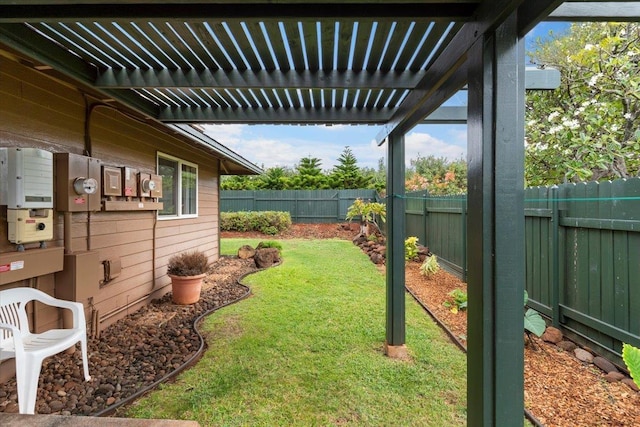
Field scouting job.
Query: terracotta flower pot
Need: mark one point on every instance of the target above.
(186, 289)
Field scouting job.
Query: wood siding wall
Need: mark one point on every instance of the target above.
(38, 111)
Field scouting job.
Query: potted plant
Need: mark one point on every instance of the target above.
(187, 270)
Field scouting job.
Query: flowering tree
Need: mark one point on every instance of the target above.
(588, 129)
(437, 175)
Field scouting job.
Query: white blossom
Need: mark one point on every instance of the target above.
(588, 46)
(553, 115)
(532, 122)
(627, 116)
(594, 79)
(555, 129)
(571, 124)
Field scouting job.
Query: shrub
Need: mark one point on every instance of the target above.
(411, 248)
(267, 222)
(270, 244)
(457, 300)
(430, 266)
(191, 263)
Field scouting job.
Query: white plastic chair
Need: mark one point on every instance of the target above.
(29, 350)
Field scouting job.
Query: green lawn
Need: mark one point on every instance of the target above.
(307, 349)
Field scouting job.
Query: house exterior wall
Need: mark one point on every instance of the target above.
(41, 112)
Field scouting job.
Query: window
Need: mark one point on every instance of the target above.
(179, 187)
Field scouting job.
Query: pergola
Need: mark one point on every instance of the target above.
(386, 63)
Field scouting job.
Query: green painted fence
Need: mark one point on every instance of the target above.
(582, 254)
(305, 206)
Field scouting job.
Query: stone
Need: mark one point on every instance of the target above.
(11, 408)
(567, 345)
(423, 251)
(267, 257)
(613, 377)
(246, 252)
(56, 405)
(583, 355)
(376, 258)
(632, 385)
(604, 364)
(552, 335)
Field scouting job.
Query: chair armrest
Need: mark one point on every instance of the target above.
(76, 308)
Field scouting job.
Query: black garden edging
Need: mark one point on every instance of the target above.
(462, 347)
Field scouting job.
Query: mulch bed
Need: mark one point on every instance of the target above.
(560, 390)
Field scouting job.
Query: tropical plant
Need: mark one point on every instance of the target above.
(631, 357)
(411, 248)
(457, 300)
(368, 212)
(430, 266)
(533, 322)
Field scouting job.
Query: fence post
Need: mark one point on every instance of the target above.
(425, 217)
(463, 215)
(555, 258)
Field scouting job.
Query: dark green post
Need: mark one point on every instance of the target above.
(495, 391)
(395, 339)
(555, 258)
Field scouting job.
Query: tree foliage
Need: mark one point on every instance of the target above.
(437, 175)
(346, 174)
(588, 129)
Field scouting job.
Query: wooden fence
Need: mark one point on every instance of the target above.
(305, 206)
(582, 254)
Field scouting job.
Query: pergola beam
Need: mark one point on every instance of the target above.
(596, 11)
(236, 79)
(276, 115)
(171, 10)
(534, 79)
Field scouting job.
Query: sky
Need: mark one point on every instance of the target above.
(284, 145)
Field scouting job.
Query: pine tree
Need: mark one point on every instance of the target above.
(346, 174)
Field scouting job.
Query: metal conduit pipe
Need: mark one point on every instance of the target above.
(528, 415)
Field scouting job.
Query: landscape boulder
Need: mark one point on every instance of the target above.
(552, 335)
(567, 345)
(246, 252)
(583, 355)
(604, 364)
(266, 257)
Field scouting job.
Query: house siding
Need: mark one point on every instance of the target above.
(41, 112)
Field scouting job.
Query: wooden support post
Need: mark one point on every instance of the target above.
(395, 339)
(496, 275)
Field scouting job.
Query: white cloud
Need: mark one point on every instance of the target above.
(285, 145)
(423, 144)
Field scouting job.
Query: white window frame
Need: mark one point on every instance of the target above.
(178, 195)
